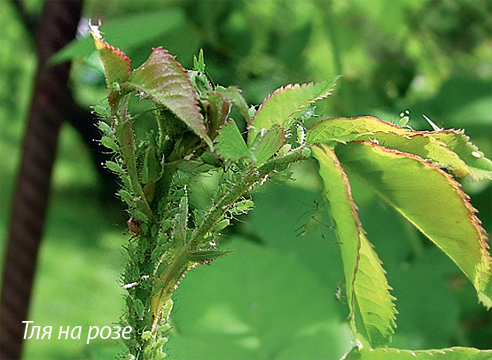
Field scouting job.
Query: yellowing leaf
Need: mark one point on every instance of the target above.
(430, 199)
(455, 353)
(164, 81)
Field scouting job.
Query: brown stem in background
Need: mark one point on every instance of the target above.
(48, 109)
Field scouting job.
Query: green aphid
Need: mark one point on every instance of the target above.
(106, 129)
(115, 167)
(431, 123)
(404, 118)
(139, 308)
(109, 143)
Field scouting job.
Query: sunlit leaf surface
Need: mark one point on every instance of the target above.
(230, 143)
(372, 309)
(163, 80)
(430, 199)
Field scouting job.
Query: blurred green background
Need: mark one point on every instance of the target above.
(274, 298)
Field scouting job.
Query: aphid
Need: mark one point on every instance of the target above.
(134, 226)
(374, 141)
(314, 222)
(129, 286)
(404, 119)
(301, 134)
(95, 29)
(115, 167)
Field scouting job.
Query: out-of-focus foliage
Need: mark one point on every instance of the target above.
(431, 57)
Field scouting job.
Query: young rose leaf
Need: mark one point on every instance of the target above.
(268, 144)
(116, 64)
(230, 143)
(373, 301)
(283, 103)
(372, 311)
(234, 95)
(424, 146)
(164, 81)
(431, 200)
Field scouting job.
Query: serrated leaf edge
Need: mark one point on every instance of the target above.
(484, 268)
(202, 131)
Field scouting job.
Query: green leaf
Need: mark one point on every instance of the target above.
(424, 146)
(342, 130)
(431, 200)
(217, 109)
(116, 64)
(235, 96)
(372, 312)
(230, 143)
(283, 103)
(268, 145)
(343, 213)
(206, 256)
(181, 222)
(455, 353)
(164, 81)
(448, 149)
(165, 284)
